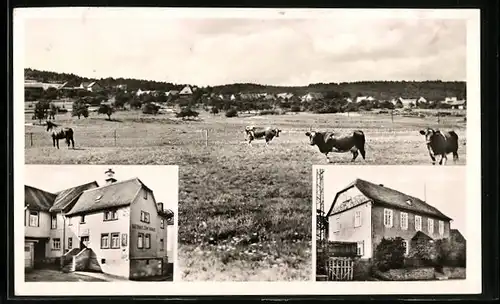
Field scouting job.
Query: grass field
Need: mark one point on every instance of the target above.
(244, 211)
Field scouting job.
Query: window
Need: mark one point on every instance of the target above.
(140, 240)
(70, 243)
(162, 224)
(115, 240)
(69, 221)
(360, 249)
(56, 244)
(441, 228)
(124, 239)
(82, 219)
(408, 201)
(144, 217)
(418, 223)
(387, 217)
(98, 198)
(147, 241)
(430, 226)
(33, 218)
(404, 220)
(161, 244)
(110, 215)
(406, 246)
(145, 194)
(337, 224)
(104, 241)
(357, 218)
(53, 222)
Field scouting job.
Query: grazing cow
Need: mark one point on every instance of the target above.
(327, 142)
(60, 133)
(441, 143)
(268, 133)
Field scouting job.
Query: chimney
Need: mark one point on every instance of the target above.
(160, 206)
(381, 185)
(110, 176)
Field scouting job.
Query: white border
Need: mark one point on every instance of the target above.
(469, 286)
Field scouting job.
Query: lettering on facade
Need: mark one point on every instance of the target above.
(124, 239)
(143, 227)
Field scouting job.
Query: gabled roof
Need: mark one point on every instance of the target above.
(66, 197)
(186, 90)
(117, 194)
(37, 199)
(457, 103)
(419, 235)
(389, 197)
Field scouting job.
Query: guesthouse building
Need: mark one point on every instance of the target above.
(117, 228)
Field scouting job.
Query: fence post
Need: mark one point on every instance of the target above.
(114, 135)
(206, 137)
(31, 139)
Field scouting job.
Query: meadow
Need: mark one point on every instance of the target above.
(244, 211)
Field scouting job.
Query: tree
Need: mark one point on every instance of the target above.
(41, 110)
(389, 254)
(214, 110)
(150, 108)
(295, 108)
(232, 113)
(135, 103)
(79, 109)
(106, 109)
(186, 113)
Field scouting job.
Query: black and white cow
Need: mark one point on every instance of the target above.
(441, 143)
(254, 133)
(328, 142)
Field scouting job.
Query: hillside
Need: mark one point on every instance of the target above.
(431, 90)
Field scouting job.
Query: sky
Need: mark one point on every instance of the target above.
(274, 51)
(162, 180)
(445, 187)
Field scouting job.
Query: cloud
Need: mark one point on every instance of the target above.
(268, 51)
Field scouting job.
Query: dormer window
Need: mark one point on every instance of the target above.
(408, 201)
(98, 198)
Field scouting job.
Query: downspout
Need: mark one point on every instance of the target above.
(63, 243)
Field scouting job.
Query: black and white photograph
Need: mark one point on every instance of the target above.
(394, 223)
(99, 223)
(245, 102)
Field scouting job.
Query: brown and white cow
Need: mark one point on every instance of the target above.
(441, 143)
(328, 142)
(254, 133)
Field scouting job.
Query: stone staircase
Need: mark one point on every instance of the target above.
(68, 264)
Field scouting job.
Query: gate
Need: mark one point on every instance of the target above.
(340, 269)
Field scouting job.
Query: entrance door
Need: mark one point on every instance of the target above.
(28, 255)
(84, 242)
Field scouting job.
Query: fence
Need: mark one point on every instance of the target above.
(231, 132)
(340, 269)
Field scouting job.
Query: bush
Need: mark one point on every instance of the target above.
(106, 109)
(150, 108)
(295, 109)
(450, 253)
(268, 112)
(79, 109)
(231, 113)
(389, 254)
(186, 112)
(424, 252)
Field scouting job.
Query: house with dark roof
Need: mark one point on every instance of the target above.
(44, 232)
(364, 212)
(117, 228)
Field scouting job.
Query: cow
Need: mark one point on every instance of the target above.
(328, 142)
(441, 143)
(254, 133)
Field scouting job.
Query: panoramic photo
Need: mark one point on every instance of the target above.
(244, 106)
(393, 223)
(99, 223)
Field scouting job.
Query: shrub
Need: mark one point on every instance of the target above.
(389, 254)
(268, 112)
(231, 113)
(451, 253)
(187, 112)
(106, 109)
(214, 110)
(423, 251)
(79, 109)
(150, 108)
(295, 109)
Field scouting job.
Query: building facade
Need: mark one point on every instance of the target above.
(365, 213)
(117, 228)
